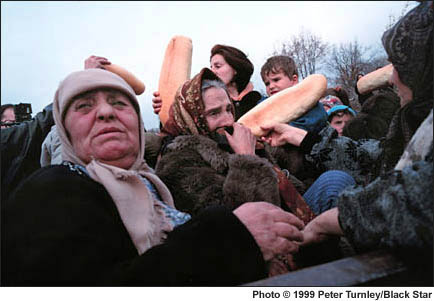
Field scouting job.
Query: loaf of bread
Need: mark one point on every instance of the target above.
(137, 85)
(286, 105)
(175, 71)
(375, 79)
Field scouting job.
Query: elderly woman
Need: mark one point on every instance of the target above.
(396, 210)
(203, 164)
(103, 218)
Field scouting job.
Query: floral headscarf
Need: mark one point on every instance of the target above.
(186, 115)
(409, 45)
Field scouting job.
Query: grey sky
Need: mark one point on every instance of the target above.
(42, 42)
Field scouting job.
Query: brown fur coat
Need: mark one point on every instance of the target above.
(199, 174)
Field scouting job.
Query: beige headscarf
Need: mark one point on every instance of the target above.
(141, 214)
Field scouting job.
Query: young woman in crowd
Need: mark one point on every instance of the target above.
(232, 67)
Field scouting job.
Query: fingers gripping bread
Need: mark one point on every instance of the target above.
(286, 105)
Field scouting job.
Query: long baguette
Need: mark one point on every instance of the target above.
(286, 105)
(375, 79)
(137, 85)
(176, 70)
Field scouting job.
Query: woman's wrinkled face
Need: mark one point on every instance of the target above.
(404, 92)
(222, 69)
(104, 125)
(218, 108)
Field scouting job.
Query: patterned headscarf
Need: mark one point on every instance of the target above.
(409, 45)
(186, 115)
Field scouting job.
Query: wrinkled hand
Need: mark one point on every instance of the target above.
(96, 62)
(157, 102)
(281, 133)
(277, 134)
(242, 140)
(276, 232)
(322, 227)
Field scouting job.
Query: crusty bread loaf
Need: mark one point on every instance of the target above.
(137, 85)
(286, 105)
(175, 71)
(375, 79)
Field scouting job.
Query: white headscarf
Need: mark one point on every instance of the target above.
(140, 212)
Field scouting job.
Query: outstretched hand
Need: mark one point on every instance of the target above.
(276, 232)
(96, 62)
(276, 134)
(322, 227)
(279, 134)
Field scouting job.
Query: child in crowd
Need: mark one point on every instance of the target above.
(338, 113)
(280, 72)
(339, 116)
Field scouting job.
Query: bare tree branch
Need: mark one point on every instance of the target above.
(347, 60)
(307, 50)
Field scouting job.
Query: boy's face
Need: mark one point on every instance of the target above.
(339, 121)
(276, 82)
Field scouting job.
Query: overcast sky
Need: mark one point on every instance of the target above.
(44, 41)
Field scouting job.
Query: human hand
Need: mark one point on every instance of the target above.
(322, 227)
(157, 102)
(277, 232)
(277, 134)
(242, 141)
(96, 62)
(281, 133)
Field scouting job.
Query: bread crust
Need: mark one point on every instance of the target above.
(135, 83)
(175, 71)
(286, 105)
(375, 79)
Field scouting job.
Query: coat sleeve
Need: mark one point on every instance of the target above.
(361, 159)
(21, 149)
(196, 183)
(395, 211)
(212, 249)
(56, 235)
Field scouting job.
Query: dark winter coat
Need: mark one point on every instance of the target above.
(199, 174)
(61, 228)
(21, 149)
(246, 103)
(395, 211)
(326, 150)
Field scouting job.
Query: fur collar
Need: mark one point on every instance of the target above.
(207, 148)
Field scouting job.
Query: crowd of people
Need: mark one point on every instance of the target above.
(90, 198)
